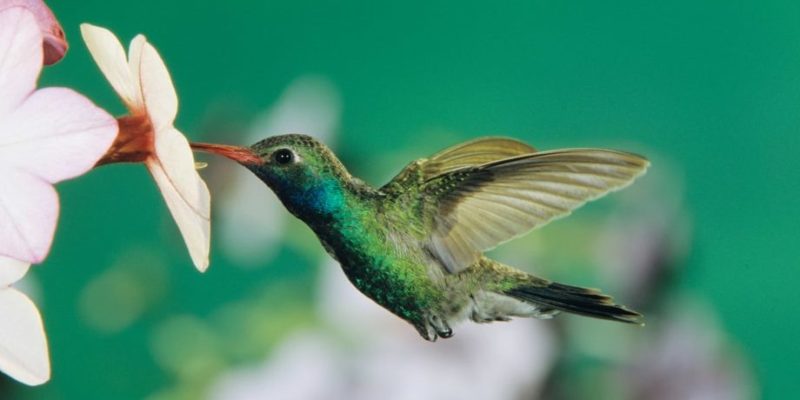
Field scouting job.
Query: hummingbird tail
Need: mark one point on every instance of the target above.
(576, 300)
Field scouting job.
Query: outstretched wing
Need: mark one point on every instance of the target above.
(474, 208)
(473, 153)
(469, 154)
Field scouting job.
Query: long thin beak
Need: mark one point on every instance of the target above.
(242, 155)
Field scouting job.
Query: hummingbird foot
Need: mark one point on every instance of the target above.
(434, 327)
(427, 332)
(440, 325)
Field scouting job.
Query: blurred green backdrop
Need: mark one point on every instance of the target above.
(711, 90)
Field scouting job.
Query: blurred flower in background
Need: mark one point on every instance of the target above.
(363, 352)
(310, 105)
(688, 356)
(682, 352)
(127, 290)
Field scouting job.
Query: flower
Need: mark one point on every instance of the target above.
(23, 346)
(147, 134)
(54, 41)
(46, 136)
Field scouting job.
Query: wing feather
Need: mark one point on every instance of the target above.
(475, 208)
(475, 152)
(470, 154)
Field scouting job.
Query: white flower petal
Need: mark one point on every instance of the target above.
(135, 60)
(56, 134)
(157, 89)
(28, 211)
(11, 270)
(20, 57)
(109, 55)
(23, 346)
(185, 192)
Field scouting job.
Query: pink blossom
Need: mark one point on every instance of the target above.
(46, 136)
(54, 41)
(23, 345)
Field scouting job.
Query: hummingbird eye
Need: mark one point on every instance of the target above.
(283, 156)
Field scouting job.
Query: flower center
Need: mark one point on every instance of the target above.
(134, 142)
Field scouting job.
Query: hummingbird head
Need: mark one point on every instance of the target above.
(291, 162)
(304, 173)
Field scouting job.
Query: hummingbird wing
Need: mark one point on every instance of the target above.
(474, 208)
(474, 152)
(468, 154)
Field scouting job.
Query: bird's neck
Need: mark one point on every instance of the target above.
(346, 224)
(328, 205)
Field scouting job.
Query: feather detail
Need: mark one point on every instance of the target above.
(477, 208)
(475, 152)
(469, 154)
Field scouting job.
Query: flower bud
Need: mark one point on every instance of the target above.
(54, 41)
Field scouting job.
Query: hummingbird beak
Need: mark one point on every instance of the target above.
(242, 155)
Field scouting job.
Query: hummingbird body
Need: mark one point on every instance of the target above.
(415, 245)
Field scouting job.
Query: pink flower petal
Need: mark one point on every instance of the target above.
(28, 211)
(55, 134)
(109, 55)
(23, 346)
(185, 192)
(157, 88)
(55, 44)
(11, 270)
(20, 57)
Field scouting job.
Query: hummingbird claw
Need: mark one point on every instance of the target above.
(427, 333)
(443, 330)
(446, 334)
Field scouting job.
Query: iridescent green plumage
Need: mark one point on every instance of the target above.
(415, 245)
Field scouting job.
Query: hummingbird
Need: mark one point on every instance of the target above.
(415, 245)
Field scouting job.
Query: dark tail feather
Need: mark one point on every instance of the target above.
(576, 300)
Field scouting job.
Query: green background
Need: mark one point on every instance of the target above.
(711, 87)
